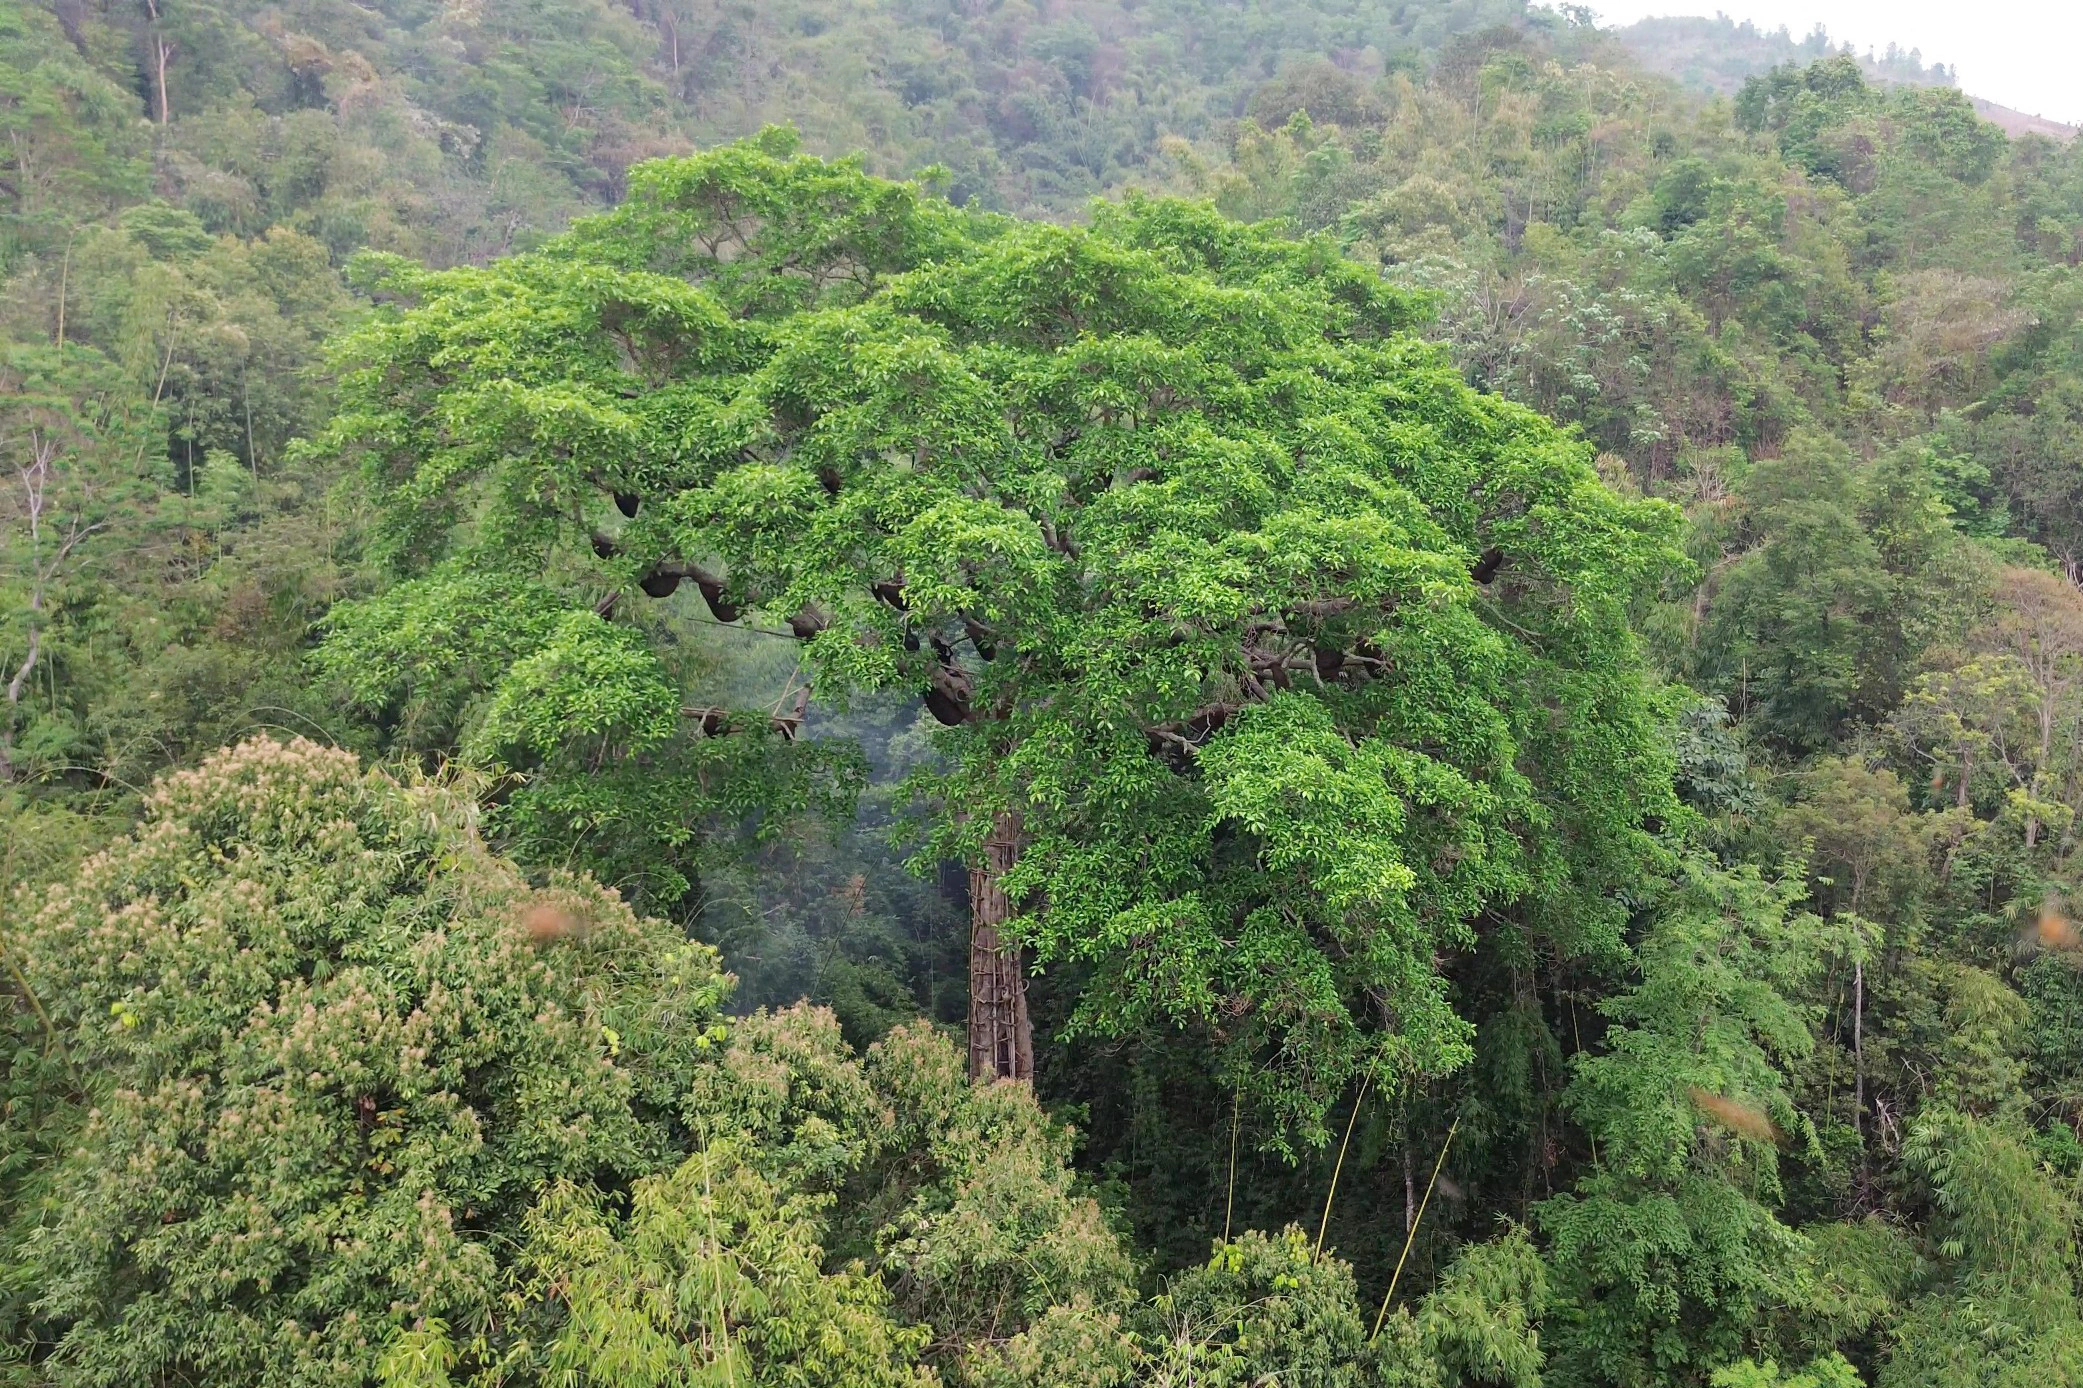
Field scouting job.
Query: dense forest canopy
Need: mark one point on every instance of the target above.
(1463, 662)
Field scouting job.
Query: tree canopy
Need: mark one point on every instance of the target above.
(1289, 656)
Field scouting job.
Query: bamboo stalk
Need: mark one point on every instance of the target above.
(1411, 1237)
(1330, 1195)
(1229, 1200)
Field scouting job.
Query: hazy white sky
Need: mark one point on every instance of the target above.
(2026, 54)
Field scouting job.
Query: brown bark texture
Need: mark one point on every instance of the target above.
(1001, 1039)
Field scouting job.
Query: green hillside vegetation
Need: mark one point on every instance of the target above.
(1299, 692)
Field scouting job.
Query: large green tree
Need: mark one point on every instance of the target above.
(1269, 657)
(301, 1020)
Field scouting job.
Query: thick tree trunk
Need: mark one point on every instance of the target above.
(1001, 1040)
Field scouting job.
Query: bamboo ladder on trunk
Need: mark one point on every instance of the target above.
(1001, 1039)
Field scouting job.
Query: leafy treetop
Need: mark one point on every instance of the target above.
(1290, 655)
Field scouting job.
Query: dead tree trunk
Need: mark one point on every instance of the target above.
(38, 478)
(1859, 1045)
(162, 54)
(1001, 1039)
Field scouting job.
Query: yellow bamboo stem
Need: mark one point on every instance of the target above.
(1332, 1194)
(1411, 1236)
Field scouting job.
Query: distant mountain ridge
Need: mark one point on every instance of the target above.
(2017, 123)
(1718, 55)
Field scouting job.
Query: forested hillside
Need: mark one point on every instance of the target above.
(1286, 692)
